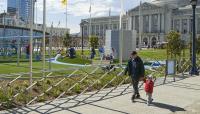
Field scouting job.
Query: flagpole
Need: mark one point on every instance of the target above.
(121, 33)
(109, 19)
(31, 43)
(140, 30)
(66, 18)
(90, 19)
(50, 46)
(44, 35)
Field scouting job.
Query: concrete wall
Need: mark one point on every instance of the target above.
(113, 41)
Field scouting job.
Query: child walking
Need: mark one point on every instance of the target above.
(148, 87)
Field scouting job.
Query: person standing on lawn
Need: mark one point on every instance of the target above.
(101, 52)
(136, 70)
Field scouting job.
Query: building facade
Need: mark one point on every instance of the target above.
(20, 8)
(153, 20)
(12, 7)
(100, 25)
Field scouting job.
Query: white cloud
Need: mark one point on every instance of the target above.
(79, 7)
(3, 5)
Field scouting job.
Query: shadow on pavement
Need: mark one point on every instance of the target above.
(167, 106)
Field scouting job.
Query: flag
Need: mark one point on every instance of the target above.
(109, 11)
(90, 9)
(64, 2)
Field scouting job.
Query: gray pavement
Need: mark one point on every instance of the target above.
(180, 97)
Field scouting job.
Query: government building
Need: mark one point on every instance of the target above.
(153, 20)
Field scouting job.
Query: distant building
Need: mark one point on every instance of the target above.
(12, 7)
(157, 19)
(56, 31)
(99, 25)
(20, 8)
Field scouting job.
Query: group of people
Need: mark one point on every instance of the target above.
(102, 54)
(135, 69)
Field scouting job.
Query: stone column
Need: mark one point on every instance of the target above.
(163, 23)
(188, 25)
(129, 23)
(150, 22)
(158, 23)
(133, 21)
(99, 29)
(150, 41)
(180, 27)
(141, 24)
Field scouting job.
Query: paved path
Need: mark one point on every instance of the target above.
(181, 97)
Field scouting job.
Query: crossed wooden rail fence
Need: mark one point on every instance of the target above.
(186, 65)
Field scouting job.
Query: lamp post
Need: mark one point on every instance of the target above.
(194, 70)
(82, 24)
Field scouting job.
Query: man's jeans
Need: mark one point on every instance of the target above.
(135, 86)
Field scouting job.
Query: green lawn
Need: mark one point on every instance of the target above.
(7, 68)
(157, 54)
(10, 66)
(77, 60)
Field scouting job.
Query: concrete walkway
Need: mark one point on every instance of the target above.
(180, 97)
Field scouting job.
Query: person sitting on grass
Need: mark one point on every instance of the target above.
(72, 53)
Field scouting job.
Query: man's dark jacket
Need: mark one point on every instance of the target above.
(137, 71)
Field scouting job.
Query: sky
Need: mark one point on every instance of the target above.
(77, 10)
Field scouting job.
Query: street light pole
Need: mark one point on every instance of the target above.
(31, 43)
(82, 40)
(44, 36)
(82, 34)
(121, 33)
(194, 70)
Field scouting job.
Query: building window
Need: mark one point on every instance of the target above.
(97, 30)
(177, 25)
(154, 22)
(132, 22)
(124, 26)
(105, 26)
(111, 27)
(101, 30)
(172, 24)
(115, 26)
(93, 29)
(184, 26)
(146, 23)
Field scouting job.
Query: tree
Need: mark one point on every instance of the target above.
(198, 45)
(175, 44)
(94, 41)
(67, 40)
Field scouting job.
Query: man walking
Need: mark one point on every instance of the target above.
(135, 69)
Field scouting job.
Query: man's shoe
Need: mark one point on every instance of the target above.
(133, 98)
(138, 96)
